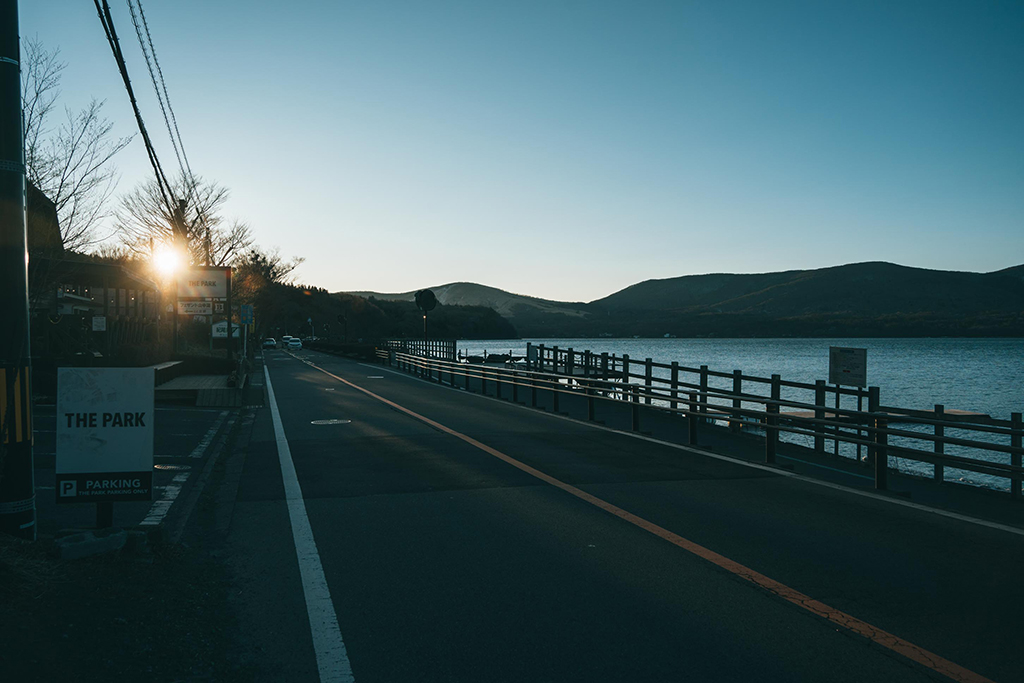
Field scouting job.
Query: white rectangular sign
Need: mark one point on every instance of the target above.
(99, 323)
(220, 330)
(104, 434)
(203, 283)
(848, 366)
(195, 307)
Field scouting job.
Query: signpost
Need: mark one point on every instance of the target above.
(205, 290)
(847, 366)
(104, 437)
(248, 317)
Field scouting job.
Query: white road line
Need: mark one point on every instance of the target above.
(331, 655)
(161, 507)
(199, 450)
(745, 463)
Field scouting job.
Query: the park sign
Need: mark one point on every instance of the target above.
(203, 283)
(104, 434)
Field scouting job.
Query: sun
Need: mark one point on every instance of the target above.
(166, 260)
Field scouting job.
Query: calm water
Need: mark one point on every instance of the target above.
(983, 375)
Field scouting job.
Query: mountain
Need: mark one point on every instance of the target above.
(856, 300)
(505, 303)
(875, 288)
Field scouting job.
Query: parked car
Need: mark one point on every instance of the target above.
(270, 343)
(294, 343)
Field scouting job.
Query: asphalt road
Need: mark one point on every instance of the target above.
(446, 563)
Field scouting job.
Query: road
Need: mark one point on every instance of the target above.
(465, 539)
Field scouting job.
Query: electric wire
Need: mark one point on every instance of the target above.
(170, 119)
(156, 85)
(111, 33)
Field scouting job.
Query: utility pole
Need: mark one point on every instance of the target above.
(17, 487)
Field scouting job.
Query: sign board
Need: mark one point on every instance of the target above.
(195, 307)
(104, 434)
(203, 283)
(247, 314)
(99, 323)
(220, 330)
(848, 366)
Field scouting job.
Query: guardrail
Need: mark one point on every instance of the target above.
(923, 437)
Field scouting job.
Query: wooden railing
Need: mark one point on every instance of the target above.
(773, 406)
(431, 348)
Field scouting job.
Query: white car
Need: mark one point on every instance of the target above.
(294, 343)
(269, 343)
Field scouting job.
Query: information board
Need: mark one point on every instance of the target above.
(99, 323)
(195, 307)
(848, 366)
(104, 434)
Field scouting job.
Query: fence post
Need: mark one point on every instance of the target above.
(704, 388)
(819, 414)
(635, 408)
(554, 359)
(483, 377)
(771, 420)
(940, 448)
(533, 390)
(1015, 458)
(497, 383)
(570, 361)
(648, 379)
(604, 365)
(625, 376)
(691, 421)
(675, 385)
(588, 358)
(737, 388)
(515, 385)
(529, 363)
(881, 456)
(554, 394)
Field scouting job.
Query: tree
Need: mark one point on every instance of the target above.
(144, 218)
(72, 163)
(261, 279)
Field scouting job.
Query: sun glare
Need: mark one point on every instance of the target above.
(166, 261)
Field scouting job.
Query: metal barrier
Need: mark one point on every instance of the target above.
(610, 378)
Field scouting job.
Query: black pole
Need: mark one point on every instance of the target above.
(424, 326)
(17, 488)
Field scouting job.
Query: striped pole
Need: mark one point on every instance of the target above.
(17, 488)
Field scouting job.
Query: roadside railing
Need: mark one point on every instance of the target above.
(774, 407)
(432, 348)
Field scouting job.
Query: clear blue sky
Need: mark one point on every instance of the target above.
(568, 149)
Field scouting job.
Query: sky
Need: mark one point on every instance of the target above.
(569, 149)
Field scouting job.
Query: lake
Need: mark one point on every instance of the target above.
(984, 375)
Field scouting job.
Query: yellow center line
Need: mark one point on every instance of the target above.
(885, 639)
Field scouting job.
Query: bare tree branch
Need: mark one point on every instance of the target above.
(70, 164)
(143, 216)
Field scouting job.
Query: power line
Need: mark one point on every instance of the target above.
(163, 84)
(108, 28)
(171, 121)
(163, 99)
